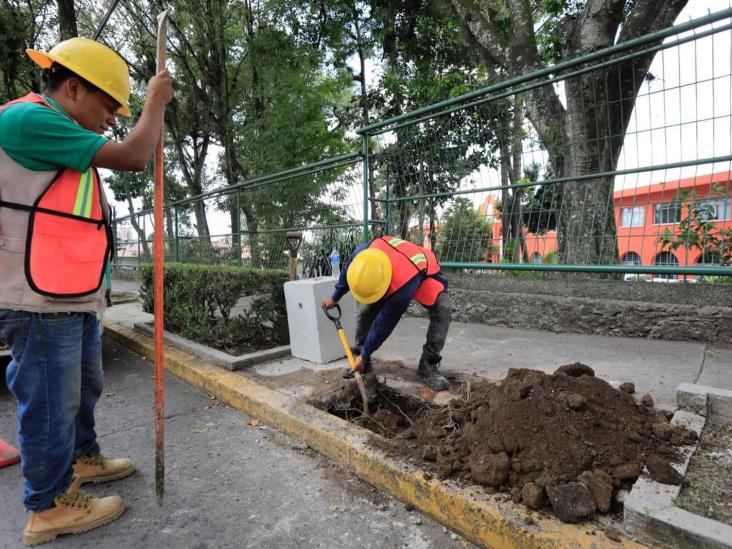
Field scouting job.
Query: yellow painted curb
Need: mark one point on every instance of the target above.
(476, 516)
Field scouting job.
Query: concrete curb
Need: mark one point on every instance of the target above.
(478, 517)
(705, 401)
(215, 356)
(650, 512)
(124, 300)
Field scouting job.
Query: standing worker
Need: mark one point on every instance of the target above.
(386, 275)
(55, 241)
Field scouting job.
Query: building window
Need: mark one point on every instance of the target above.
(631, 258)
(665, 259)
(712, 209)
(667, 212)
(632, 217)
(709, 258)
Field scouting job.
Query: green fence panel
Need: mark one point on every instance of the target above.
(616, 162)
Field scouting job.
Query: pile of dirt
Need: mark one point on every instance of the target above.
(569, 440)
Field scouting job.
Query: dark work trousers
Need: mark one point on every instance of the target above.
(440, 314)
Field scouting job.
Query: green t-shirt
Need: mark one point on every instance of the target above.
(42, 139)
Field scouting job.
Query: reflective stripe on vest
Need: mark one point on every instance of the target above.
(83, 203)
(69, 238)
(407, 260)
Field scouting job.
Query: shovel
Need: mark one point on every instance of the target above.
(351, 362)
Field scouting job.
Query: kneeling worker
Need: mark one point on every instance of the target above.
(386, 275)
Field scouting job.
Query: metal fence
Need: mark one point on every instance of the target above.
(323, 201)
(619, 161)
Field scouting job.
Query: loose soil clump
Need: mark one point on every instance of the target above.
(568, 440)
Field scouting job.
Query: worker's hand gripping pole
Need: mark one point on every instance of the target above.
(159, 259)
(349, 355)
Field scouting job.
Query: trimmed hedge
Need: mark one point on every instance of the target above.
(199, 300)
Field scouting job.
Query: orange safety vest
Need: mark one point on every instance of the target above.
(407, 261)
(69, 237)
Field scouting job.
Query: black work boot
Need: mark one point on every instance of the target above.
(347, 373)
(427, 374)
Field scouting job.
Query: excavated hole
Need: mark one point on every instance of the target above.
(391, 412)
(568, 441)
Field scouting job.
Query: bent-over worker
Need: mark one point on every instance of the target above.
(385, 275)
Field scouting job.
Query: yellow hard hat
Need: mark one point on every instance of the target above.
(369, 275)
(95, 63)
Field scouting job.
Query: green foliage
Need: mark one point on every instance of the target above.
(200, 250)
(315, 256)
(540, 207)
(19, 30)
(199, 301)
(551, 258)
(698, 230)
(465, 235)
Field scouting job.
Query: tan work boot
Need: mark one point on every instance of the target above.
(100, 469)
(74, 512)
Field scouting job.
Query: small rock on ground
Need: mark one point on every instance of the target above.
(627, 388)
(613, 534)
(575, 370)
(662, 471)
(572, 502)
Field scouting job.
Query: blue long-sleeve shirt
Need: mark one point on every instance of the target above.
(392, 310)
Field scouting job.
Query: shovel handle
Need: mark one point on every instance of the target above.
(342, 335)
(333, 317)
(347, 349)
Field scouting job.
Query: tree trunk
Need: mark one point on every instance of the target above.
(141, 237)
(170, 231)
(586, 218)
(586, 137)
(67, 19)
(511, 149)
(364, 102)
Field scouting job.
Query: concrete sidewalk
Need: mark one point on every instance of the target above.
(229, 484)
(655, 366)
(278, 392)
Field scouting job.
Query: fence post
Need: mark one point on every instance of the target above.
(175, 234)
(238, 229)
(114, 259)
(365, 188)
(387, 208)
(137, 224)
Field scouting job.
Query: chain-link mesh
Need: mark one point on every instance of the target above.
(248, 223)
(620, 161)
(617, 161)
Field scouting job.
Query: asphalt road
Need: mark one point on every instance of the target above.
(228, 483)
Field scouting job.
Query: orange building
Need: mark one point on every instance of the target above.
(643, 214)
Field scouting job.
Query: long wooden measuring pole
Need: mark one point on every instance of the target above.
(159, 260)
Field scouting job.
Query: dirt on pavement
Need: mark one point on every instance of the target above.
(568, 440)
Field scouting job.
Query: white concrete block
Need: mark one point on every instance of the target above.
(707, 401)
(692, 398)
(312, 335)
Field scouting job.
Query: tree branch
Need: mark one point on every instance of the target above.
(481, 30)
(597, 25)
(523, 39)
(648, 16)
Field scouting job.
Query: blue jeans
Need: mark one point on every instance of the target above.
(440, 314)
(56, 376)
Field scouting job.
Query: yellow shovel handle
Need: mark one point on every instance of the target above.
(347, 348)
